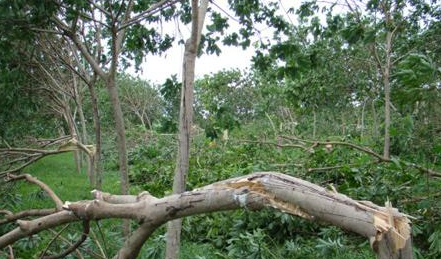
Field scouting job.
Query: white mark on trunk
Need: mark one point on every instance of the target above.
(242, 199)
(66, 205)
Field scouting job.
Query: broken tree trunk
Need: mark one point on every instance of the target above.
(387, 228)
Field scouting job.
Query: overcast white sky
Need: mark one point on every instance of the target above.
(158, 68)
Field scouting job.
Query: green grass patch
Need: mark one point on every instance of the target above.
(60, 174)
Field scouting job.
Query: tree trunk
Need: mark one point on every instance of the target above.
(374, 121)
(120, 139)
(362, 119)
(97, 126)
(314, 126)
(185, 121)
(141, 119)
(386, 84)
(84, 135)
(72, 132)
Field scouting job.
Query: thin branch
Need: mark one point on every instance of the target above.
(272, 143)
(53, 240)
(92, 2)
(47, 31)
(95, 238)
(87, 250)
(33, 155)
(81, 47)
(11, 252)
(46, 188)
(324, 143)
(27, 213)
(84, 235)
(150, 11)
(366, 150)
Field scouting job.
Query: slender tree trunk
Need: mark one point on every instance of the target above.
(185, 122)
(343, 124)
(374, 120)
(120, 134)
(386, 84)
(314, 126)
(141, 119)
(72, 132)
(149, 123)
(97, 126)
(120, 139)
(77, 136)
(84, 136)
(362, 119)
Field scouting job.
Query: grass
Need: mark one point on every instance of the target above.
(59, 173)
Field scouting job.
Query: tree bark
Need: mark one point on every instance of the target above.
(314, 123)
(97, 126)
(185, 121)
(120, 139)
(386, 84)
(120, 133)
(374, 121)
(362, 118)
(84, 135)
(72, 132)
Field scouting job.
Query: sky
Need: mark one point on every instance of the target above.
(158, 68)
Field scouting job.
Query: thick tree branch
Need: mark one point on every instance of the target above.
(255, 191)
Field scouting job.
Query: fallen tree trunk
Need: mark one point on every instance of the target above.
(388, 230)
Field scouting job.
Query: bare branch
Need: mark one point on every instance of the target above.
(86, 229)
(381, 158)
(53, 240)
(27, 213)
(324, 143)
(152, 10)
(102, 10)
(81, 47)
(272, 144)
(34, 180)
(32, 155)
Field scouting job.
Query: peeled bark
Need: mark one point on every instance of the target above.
(185, 122)
(388, 230)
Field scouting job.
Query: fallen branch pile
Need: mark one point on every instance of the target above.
(310, 145)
